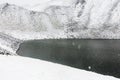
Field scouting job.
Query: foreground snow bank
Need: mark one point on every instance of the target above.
(20, 68)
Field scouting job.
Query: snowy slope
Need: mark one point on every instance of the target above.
(17, 18)
(62, 18)
(20, 68)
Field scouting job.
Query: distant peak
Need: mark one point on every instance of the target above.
(4, 5)
(9, 6)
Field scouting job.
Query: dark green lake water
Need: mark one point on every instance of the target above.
(101, 56)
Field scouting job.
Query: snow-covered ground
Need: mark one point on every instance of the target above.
(21, 68)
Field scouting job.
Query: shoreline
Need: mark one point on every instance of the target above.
(12, 39)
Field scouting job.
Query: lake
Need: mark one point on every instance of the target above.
(101, 56)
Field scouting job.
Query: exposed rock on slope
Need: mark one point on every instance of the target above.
(8, 44)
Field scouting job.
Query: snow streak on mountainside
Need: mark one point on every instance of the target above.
(63, 19)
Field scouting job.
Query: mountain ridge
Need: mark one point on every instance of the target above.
(81, 19)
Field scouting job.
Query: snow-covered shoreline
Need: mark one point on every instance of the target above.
(22, 68)
(17, 37)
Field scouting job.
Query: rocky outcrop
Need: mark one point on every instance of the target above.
(8, 44)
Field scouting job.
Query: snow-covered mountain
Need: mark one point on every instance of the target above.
(91, 19)
(17, 18)
(62, 19)
(72, 18)
(99, 14)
